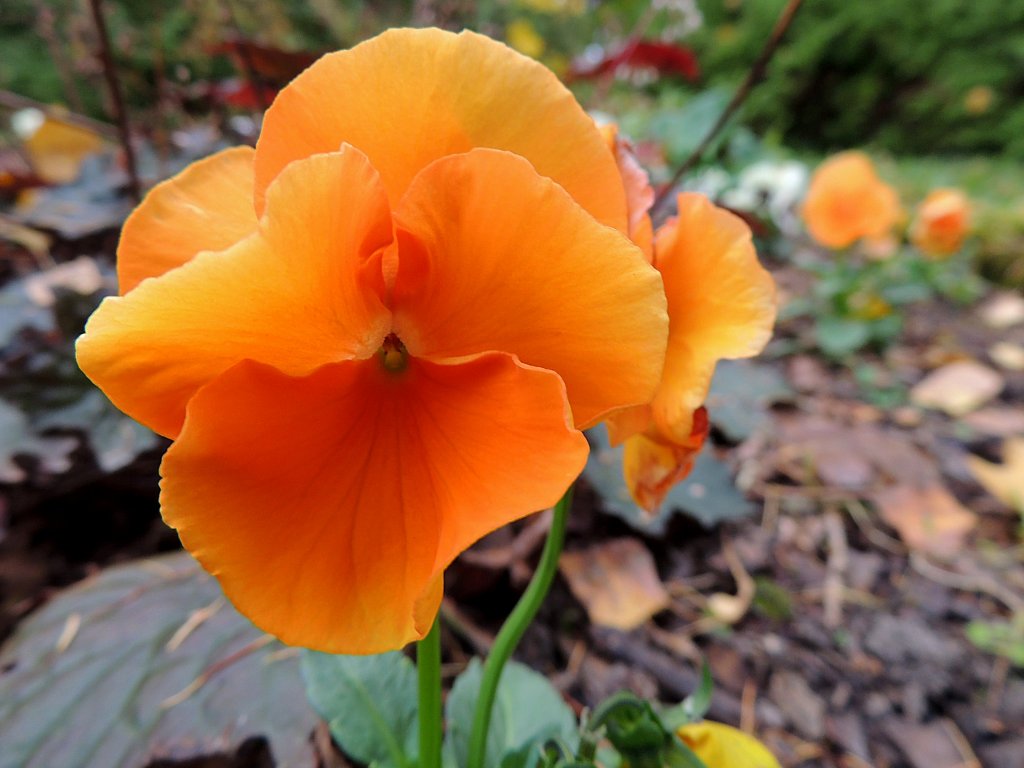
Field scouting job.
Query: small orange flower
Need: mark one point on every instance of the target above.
(392, 353)
(847, 201)
(941, 223)
(721, 304)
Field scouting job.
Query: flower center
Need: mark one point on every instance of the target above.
(393, 355)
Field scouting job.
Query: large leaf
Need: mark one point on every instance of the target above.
(142, 661)
(741, 392)
(527, 710)
(709, 494)
(369, 702)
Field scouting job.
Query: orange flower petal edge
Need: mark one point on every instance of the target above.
(721, 305)
(206, 207)
(639, 192)
(847, 201)
(410, 96)
(942, 222)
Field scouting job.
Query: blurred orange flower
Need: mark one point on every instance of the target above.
(393, 352)
(847, 201)
(941, 223)
(721, 305)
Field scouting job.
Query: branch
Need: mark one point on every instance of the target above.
(754, 76)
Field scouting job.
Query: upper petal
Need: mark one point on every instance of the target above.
(329, 505)
(721, 304)
(305, 290)
(496, 257)
(410, 96)
(206, 207)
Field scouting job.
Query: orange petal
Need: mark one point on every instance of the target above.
(206, 207)
(328, 506)
(639, 192)
(721, 304)
(651, 466)
(410, 96)
(847, 201)
(495, 257)
(303, 291)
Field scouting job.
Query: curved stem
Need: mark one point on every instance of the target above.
(428, 668)
(514, 627)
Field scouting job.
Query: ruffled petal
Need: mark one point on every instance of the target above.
(305, 290)
(637, 184)
(329, 505)
(651, 466)
(410, 96)
(495, 257)
(206, 207)
(721, 305)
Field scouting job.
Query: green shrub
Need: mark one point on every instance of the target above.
(911, 76)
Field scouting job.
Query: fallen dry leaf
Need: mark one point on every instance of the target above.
(57, 149)
(1003, 310)
(996, 421)
(928, 519)
(616, 582)
(1004, 481)
(957, 388)
(1007, 355)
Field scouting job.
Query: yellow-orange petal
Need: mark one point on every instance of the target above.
(721, 305)
(651, 466)
(637, 185)
(941, 223)
(206, 207)
(410, 96)
(329, 505)
(847, 201)
(496, 257)
(722, 746)
(304, 290)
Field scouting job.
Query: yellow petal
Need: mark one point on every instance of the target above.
(722, 746)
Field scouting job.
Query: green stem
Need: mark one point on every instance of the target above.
(428, 667)
(514, 627)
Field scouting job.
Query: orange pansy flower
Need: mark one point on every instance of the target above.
(721, 305)
(847, 201)
(941, 223)
(391, 352)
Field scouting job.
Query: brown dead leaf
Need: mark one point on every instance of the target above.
(1004, 481)
(1007, 355)
(996, 421)
(616, 582)
(957, 388)
(928, 519)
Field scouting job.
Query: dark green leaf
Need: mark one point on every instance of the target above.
(369, 702)
(740, 394)
(839, 336)
(527, 710)
(141, 661)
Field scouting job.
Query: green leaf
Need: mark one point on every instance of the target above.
(527, 710)
(839, 336)
(740, 394)
(142, 661)
(369, 702)
(693, 707)
(709, 494)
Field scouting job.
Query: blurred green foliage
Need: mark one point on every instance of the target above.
(914, 76)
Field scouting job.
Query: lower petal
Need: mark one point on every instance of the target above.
(652, 466)
(329, 505)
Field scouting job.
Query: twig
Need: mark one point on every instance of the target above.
(114, 87)
(838, 561)
(966, 583)
(970, 760)
(754, 76)
(12, 101)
